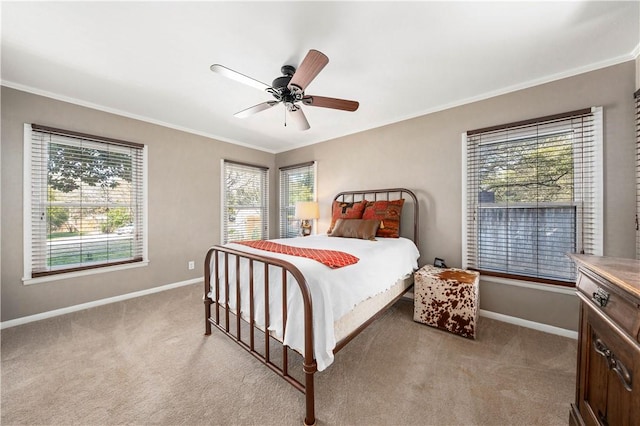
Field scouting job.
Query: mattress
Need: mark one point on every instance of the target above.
(335, 292)
(368, 308)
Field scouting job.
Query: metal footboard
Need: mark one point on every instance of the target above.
(222, 314)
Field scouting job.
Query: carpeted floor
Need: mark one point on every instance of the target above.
(146, 361)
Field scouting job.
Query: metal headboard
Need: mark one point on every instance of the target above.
(384, 194)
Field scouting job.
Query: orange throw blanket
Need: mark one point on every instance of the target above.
(332, 258)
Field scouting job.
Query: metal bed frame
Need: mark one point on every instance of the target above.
(222, 320)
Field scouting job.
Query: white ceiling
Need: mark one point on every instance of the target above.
(150, 60)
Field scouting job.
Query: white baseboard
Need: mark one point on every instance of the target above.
(50, 314)
(530, 324)
(75, 308)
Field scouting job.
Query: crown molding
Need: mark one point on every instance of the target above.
(631, 56)
(126, 114)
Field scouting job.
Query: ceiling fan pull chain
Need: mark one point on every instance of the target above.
(285, 117)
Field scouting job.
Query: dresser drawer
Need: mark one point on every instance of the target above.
(621, 310)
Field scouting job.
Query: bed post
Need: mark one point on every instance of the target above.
(207, 288)
(309, 365)
(309, 392)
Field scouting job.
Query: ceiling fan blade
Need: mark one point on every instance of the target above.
(234, 75)
(321, 101)
(298, 117)
(256, 108)
(311, 65)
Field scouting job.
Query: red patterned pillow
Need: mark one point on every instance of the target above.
(388, 213)
(342, 210)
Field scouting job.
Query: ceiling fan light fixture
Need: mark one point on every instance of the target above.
(296, 90)
(297, 117)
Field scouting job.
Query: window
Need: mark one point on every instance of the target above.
(297, 183)
(85, 202)
(637, 96)
(533, 193)
(245, 202)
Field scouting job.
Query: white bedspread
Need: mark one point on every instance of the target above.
(334, 292)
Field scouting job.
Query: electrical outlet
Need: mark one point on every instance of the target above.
(192, 264)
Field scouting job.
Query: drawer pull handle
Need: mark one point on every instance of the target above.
(614, 364)
(601, 349)
(601, 297)
(622, 373)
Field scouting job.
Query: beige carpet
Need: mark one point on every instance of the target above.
(146, 361)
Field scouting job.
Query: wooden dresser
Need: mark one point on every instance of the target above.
(608, 375)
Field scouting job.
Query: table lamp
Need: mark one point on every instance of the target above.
(306, 211)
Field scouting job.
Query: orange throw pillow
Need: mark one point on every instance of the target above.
(388, 213)
(342, 210)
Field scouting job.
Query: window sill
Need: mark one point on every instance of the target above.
(83, 273)
(528, 284)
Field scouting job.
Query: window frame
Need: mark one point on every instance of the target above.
(636, 96)
(224, 208)
(83, 270)
(596, 236)
(284, 194)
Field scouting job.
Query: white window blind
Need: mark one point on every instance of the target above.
(533, 194)
(297, 183)
(637, 97)
(245, 201)
(87, 202)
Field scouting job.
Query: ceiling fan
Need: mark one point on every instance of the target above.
(289, 89)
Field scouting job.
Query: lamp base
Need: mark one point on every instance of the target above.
(305, 228)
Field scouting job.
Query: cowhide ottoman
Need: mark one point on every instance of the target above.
(447, 299)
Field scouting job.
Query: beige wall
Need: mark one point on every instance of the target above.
(184, 202)
(638, 72)
(424, 154)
